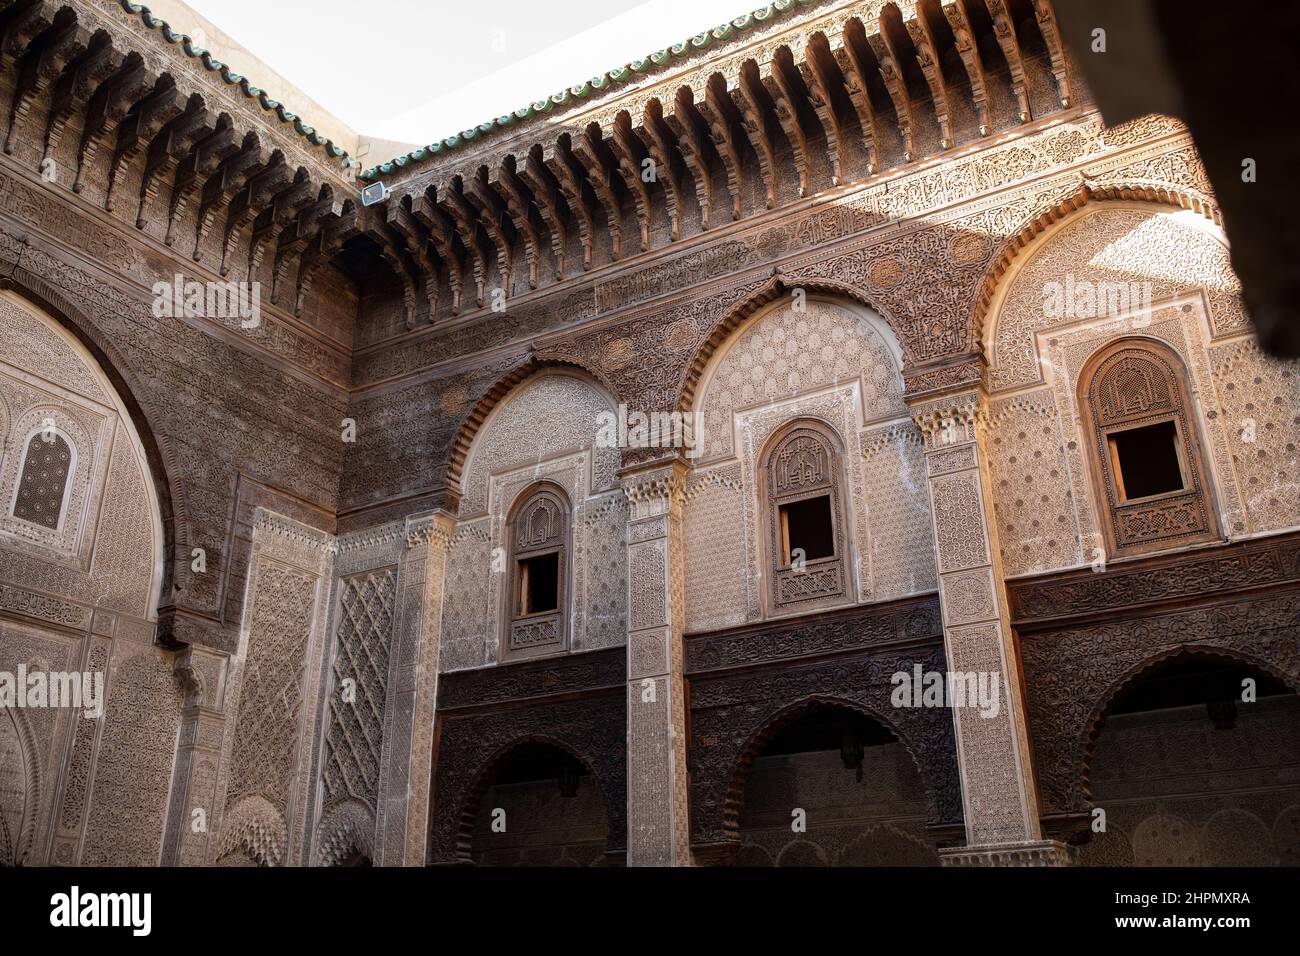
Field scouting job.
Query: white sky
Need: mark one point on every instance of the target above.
(419, 70)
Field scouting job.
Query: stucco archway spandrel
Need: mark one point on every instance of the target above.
(493, 396)
(776, 288)
(113, 523)
(1056, 213)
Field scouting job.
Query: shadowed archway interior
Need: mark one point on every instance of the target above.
(833, 787)
(1198, 764)
(543, 807)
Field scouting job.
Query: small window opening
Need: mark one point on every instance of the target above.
(1146, 460)
(807, 525)
(539, 584)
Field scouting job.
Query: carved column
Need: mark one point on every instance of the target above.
(86, 741)
(403, 825)
(657, 818)
(192, 811)
(273, 687)
(999, 797)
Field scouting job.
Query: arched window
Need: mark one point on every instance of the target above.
(801, 478)
(1148, 469)
(537, 614)
(43, 482)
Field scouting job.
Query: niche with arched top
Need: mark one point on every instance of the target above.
(806, 542)
(1145, 450)
(537, 598)
(1197, 764)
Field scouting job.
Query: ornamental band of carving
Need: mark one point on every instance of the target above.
(351, 565)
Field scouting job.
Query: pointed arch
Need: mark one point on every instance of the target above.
(140, 415)
(474, 420)
(471, 803)
(759, 739)
(775, 288)
(1133, 677)
(1063, 205)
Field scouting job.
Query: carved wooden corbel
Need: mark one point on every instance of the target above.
(1004, 28)
(968, 49)
(551, 206)
(442, 233)
(598, 163)
(63, 42)
(660, 142)
(722, 120)
(697, 150)
(826, 87)
(451, 200)
(517, 204)
(564, 169)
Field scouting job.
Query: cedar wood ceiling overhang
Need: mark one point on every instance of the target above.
(133, 92)
(851, 90)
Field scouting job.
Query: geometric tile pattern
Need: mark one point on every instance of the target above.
(356, 709)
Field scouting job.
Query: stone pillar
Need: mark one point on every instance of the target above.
(999, 797)
(403, 826)
(202, 674)
(86, 740)
(657, 818)
(273, 691)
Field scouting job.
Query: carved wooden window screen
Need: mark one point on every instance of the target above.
(1141, 423)
(43, 483)
(802, 483)
(536, 602)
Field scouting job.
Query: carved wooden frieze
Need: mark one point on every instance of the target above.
(1268, 563)
(851, 629)
(570, 674)
(1086, 637)
(745, 683)
(472, 743)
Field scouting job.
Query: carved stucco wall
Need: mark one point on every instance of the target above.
(275, 680)
(350, 768)
(80, 597)
(354, 770)
(923, 272)
(33, 744)
(133, 767)
(837, 362)
(106, 551)
(920, 246)
(545, 429)
(1044, 501)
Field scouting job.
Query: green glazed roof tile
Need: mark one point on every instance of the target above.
(234, 79)
(612, 78)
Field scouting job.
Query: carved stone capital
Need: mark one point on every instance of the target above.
(655, 491)
(202, 675)
(432, 530)
(950, 419)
